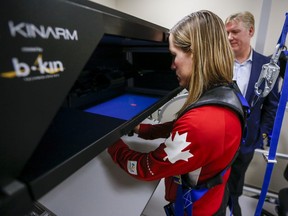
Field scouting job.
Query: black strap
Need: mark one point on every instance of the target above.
(224, 95)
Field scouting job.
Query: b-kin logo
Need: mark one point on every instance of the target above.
(43, 69)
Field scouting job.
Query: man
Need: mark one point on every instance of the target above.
(247, 68)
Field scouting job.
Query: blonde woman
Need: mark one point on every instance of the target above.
(204, 138)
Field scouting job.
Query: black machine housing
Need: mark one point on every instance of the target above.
(57, 59)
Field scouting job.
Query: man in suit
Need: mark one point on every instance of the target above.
(247, 68)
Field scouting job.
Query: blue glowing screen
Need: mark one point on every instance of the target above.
(123, 107)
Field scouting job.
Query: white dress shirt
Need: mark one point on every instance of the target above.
(242, 72)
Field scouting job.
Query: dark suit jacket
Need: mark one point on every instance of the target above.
(263, 113)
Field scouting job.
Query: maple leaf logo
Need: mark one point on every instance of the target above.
(174, 148)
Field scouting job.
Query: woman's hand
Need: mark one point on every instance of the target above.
(136, 129)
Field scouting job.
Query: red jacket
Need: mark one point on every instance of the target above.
(203, 140)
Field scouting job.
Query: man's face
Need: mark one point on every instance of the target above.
(239, 37)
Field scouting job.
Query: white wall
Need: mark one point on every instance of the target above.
(167, 12)
(276, 21)
(269, 14)
(108, 3)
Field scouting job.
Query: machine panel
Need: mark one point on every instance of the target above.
(59, 62)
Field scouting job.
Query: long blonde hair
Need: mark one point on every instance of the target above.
(203, 34)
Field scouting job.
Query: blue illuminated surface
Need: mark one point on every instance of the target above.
(123, 107)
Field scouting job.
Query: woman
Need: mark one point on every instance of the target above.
(202, 141)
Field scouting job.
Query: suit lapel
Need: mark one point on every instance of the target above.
(255, 72)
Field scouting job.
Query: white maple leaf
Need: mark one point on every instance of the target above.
(174, 148)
